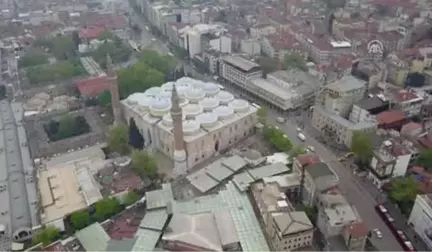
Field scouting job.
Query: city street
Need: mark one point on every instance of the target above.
(348, 182)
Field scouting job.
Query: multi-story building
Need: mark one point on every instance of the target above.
(421, 218)
(286, 228)
(211, 60)
(407, 101)
(261, 30)
(339, 97)
(285, 90)
(381, 167)
(250, 46)
(238, 71)
(334, 214)
(315, 176)
(366, 109)
(203, 37)
(355, 236)
(338, 128)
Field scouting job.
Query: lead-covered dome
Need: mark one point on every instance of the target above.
(210, 89)
(209, 103)
(159, 107)
(168, 86)
(207, 120)
(192, 110)
(224, 97)
(239, 105)
(190, 127)
(224, 112)
(153, 91)
(194, 95)
(167, 119)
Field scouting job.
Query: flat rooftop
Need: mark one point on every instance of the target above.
(241, 63)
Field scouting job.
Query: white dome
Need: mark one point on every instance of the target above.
(182, 90)
(192, 110)
(168, 85)
(197, 83)
(190, 127)
(207, 120)
(184, 82)
(209, 103)
(159, 107)
(167, 119)
(134, 98)
(210, 89)
(153, 91)
(239, 105)
(194, 94)
(183, 102)
(144, 103)
(165, 94)
(225, 97)
(224, 112)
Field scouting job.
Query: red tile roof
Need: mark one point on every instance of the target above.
(307, 159)
(357, 229)
(93, 86)
(92, 32)
(403, 95)
(389, 117)
(411, 126)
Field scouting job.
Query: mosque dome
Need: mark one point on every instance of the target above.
(191, 127)
(223, 112)
(194, 94)
(209, 103)
(168, 86)
(239, 105)
(159, 107)
(207, 120)
(225, 97)
(153, 91)
(192, 110)
(167, 119)
(210, 89)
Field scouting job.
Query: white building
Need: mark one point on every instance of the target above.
(238, 70)
(250, 46)
(261, 30)
(213, 120)
(366, 109)
(203, 37)
(421, 218)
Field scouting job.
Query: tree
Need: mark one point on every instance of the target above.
(277, 139)
(144, 164)
(118, 140)
(404, 192)
(138, 78)
(164, 64)
(113, 45)
(66, 126)
(104, 99)
(33, 58)
(63, 48)
(59, 71)
(269, 65)
(262, 115)
(76, 39)
(80, 219)
(361, 145)
(46, 236)
(106, 208)
(295, 151)
(106, 35)
(295, 61)
(131, 198)
(425, 159)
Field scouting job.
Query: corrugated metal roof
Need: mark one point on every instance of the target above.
(154, 219)
(159, 198)
(93, 237)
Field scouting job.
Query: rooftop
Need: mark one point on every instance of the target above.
(344, 122)
(292, 222)
(371, 103)
(93, 237)
(319, 170)
(357, 229)
(159, 198)
(389, 117)
(244, 179)
(92, 87)
(346, 84)
(242, 63)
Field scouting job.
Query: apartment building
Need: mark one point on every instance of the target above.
(238, 70)
(355, 236)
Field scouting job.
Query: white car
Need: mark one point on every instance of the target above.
(280, 120)
(299, 129)
(311, 148)
(378, 233)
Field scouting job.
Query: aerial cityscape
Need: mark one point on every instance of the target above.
(196, 125)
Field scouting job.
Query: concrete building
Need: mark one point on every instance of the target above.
(261, 30)
(406, 101)
(250, 46)
(316, 177)
(340, 96)
(355, 236)
(335, 214)
(19, 200)
(285, 90)
(211, 60)
(238, 71)
(421, 218)
(366, 109)
(212, 120)
(216, 42)
(338, 128)
(202, 37)
(381, 167)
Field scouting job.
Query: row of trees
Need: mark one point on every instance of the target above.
(53, 72)
(67, 126)
(62, 47)
(33, 58)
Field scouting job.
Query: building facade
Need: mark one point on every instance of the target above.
(421, 218)
(238, 71)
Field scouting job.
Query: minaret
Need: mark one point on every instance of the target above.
(180, 166)
(115, 99)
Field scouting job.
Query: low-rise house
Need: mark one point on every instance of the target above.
(355, 236)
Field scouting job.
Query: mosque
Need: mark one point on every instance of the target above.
(189, 120)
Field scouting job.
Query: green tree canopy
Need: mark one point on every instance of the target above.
(106, 208)
(80, 219)
(118, 139)
(425, 159)
(66, 126)
(268, 64)
(262, 115)
(277, 139)
(62, 47)
(404, 192)
(164, 64)
(295, 61)
(295, 151)
(361, 145)
(118, 51)
(33, 58)
(46, 236)
(104, 99)
(131, 198)
(144, 164)
(138, 78)
(60, 71)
